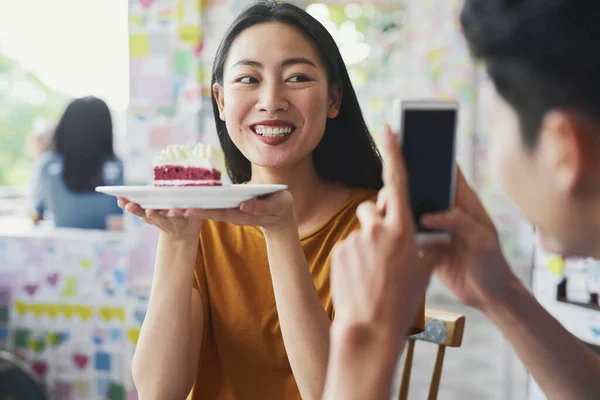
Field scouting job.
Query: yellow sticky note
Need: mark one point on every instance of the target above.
(557, 266)
(190, 34)
(203, 76)
(120, 314)
(20, 308)
(85, 263)
(37, 310)
(69, 290)
(133, 334)
(84, 312)
(53, 311)
(137, 20)
(139, 45)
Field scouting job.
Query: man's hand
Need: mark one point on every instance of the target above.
(377, 277)
(473, 266)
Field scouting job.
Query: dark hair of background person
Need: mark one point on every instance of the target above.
(84, 138)
(541, 55)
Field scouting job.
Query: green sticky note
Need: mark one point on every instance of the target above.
(21, 338)
(37, 345)
(183, 62)
(116, 392)
(4, 314)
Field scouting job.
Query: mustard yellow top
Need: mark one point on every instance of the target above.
(243, 355)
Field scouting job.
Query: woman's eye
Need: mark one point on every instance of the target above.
(247, 79)
(299, 78)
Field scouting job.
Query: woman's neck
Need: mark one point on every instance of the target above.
(303, 182)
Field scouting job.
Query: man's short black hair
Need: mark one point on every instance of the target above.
(540, 54)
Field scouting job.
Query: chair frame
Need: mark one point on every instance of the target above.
(442, 328)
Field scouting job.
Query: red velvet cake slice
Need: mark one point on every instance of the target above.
(180, 165)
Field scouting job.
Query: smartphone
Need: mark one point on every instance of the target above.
(427, 130)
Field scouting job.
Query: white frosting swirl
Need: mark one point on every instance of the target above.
(201, 156)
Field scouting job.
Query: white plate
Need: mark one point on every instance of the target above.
(162, 198)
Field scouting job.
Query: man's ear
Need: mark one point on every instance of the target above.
(220, 99)
(335, 100)
(564, 142)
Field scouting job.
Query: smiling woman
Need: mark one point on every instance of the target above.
(246, 292)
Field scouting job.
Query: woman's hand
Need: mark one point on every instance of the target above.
(176, 223)
(273, 212)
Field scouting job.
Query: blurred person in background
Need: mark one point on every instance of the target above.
(81, 158)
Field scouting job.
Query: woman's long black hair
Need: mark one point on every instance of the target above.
(84, 138)
(347, 152)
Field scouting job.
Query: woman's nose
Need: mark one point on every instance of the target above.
(271, 99)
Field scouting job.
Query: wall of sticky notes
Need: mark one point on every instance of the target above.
(71, 310)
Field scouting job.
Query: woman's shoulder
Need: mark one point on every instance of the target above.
(49, 156)
(48, 159)
(360, 194)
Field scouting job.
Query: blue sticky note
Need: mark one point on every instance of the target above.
(3, 333)
(102, 361)
(116, 334)
(102, 387)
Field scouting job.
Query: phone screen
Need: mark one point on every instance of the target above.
(428, 148)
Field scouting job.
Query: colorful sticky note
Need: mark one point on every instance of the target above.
(139, 45)
(102, 387)
(133, 334)
(3, 333)
(70, 287)
(21, 338)
(556, 265)
(116, 391)
(137, 20)
(37, 345)
(63, 389)
(190, 34)
(183, 62)
(82, 388)
(102, 361)
(3, 314)
(203, 76)
(56, 338)
(20, 307)
(85, 263)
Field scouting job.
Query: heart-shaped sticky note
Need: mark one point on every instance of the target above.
(31, 288)
(139, 316)
(80, 360)
(40, 367)
(133, 335)
(52, 279)
(146, 3)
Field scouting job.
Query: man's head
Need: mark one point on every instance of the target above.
(543, 57)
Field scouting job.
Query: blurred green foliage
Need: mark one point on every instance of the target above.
(24, 99)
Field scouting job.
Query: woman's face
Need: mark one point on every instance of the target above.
(275, 98)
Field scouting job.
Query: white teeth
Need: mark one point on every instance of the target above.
(272, 131)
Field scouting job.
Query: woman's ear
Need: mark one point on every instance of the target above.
(220, 99)
(335, 100)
